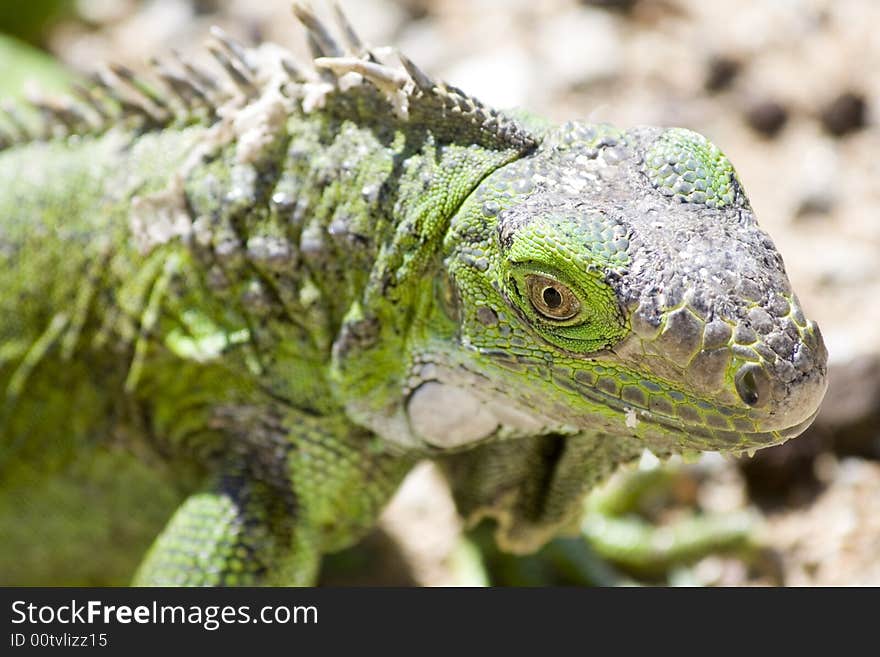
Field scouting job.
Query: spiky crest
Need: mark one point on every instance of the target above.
(178, 91)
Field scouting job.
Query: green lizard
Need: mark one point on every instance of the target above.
(267, 293)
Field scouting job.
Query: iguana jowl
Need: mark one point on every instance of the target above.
(286, 284)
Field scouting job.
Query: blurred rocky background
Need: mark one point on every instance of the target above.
(789, 89)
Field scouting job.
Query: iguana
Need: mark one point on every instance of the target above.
(282, 285)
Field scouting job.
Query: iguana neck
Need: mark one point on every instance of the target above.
(333, 251)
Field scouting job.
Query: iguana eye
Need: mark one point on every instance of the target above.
(551, 298)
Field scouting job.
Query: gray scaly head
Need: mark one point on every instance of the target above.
(620, 278)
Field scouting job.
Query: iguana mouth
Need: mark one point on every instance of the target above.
(723, 428)
(707, 437)
(700, 422)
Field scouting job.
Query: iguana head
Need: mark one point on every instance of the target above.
(617, 281)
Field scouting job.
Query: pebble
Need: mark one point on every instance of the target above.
(721, 72)
(624, 6)
(844, 114)
(767, 118)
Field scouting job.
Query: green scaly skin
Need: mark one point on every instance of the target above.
(268, 301)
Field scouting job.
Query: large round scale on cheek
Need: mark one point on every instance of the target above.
(448, 416)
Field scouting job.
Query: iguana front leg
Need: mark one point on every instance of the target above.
(533, 487)
(536, 488)
(298, 486)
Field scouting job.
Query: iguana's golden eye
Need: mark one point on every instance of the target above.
(551, 298)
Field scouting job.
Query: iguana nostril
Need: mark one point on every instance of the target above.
(752, 385)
